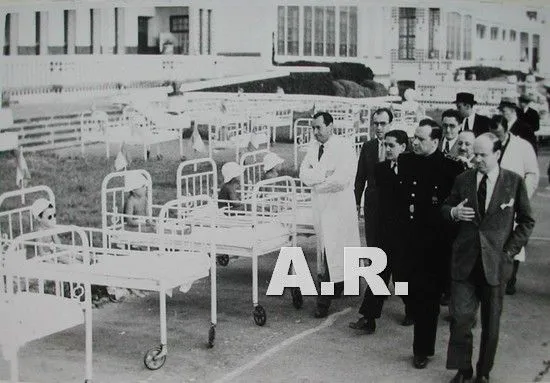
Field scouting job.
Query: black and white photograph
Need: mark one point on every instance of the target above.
(275, 191)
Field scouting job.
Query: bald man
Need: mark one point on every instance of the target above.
(485, 201)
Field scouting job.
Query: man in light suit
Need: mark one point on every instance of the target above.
(518, 156)
(486, 201)
(472, 121)
(451, 124)
(372, 152)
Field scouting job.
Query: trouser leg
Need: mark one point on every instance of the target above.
(491, 310)
(463, 307)
(324, 301)
(425, 313)
(371, 307)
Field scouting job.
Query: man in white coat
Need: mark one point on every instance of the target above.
(329, 167)
(518, 156)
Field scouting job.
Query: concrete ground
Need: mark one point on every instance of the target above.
(292, 346)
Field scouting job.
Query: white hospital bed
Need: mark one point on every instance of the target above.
(265, 222)
(85, 259)
(133, 127)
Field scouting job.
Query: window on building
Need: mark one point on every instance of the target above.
(454, 21)
(344, 31)
(319, 31)
(308, 30)
(281, 30)
(353, 31)
(503, 34)
(433, 32)
(209, 33)
(467, 37)
(292, 31)
(201, 36)
(179, 24)
(512, 35)
(331, 31)
(480, 31)
(407, 25)
(524, 46)
(494, 33)
(37, 31)
(7, 35)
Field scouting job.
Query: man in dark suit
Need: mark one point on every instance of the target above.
(426, 177)
(484, 201)
(472, 121)
(517, 125)
(372, 152)
(528, 114)
(451, 121)
(386, 184)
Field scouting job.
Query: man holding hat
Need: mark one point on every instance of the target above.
(472, 121)
(517, 125)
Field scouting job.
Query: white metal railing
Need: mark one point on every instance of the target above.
(485, 92)
(67, 70)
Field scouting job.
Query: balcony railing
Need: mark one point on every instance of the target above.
(73, 70)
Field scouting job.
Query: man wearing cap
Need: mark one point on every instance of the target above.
(329, 167)
(517, 125)
(372, 152)
(472, 121)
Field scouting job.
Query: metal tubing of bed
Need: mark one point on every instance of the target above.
(162, 300)
(254, 279)
(89, 337)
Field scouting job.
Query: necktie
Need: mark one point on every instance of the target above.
(482, 195)
(446, 150)
(466, 126)
(381, 152)
(321, 151)
(394, 167)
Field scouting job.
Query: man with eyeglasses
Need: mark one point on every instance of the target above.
(329, 167)
(372, 152)
(451, 123)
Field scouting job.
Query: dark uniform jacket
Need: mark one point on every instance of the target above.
(425, 183)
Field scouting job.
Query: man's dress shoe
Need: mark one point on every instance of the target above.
(364, 324)
(420, 361)
(459, 378)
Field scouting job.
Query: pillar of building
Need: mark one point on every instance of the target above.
(26, 33)
(56, 32)
(83, 43)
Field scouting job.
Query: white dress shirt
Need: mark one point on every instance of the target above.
(491, 181)
(471, 120)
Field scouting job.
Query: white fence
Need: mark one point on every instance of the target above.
(71, 70)
(488, 93)
(53, 132)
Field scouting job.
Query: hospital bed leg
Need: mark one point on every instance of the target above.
(213, 301)
(156, 356)
(14, 366)
(259, 312)
(88, 326)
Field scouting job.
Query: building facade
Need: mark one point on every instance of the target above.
(67, 42)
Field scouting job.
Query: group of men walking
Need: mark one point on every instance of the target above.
(450, 208)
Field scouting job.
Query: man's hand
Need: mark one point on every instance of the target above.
(463, 213)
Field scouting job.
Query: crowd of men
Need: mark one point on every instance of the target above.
(450, 208)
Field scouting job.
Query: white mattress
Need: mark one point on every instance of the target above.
(266, 235)
(36, 316)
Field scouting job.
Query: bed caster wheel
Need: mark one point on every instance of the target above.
(152, 361)
(222, 260)
(211, 335)
(259, 315)
(297, 298)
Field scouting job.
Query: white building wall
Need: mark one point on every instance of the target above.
(56, 33)
(26, 32)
